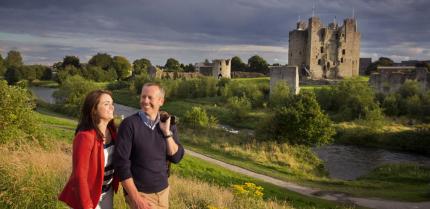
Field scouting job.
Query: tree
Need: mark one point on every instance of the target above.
(352, 99)
(173, 65)
(237, 64)
(140, 66)
(382, 61)
(258, 64)
(2, 66)
(299, 121)
(102, 60)
(122, 67)
(72, 92)
(189, 68)
(13, 59)
(71, 60)
(12, 75)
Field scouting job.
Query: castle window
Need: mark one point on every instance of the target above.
(319, 61)
(322, 49)
(343, 51)
(227, 61)
(341, 60)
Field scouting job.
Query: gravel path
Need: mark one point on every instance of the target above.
(335, 196)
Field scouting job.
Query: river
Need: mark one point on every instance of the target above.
(342, 162)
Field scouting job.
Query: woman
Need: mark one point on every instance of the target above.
(92, 182)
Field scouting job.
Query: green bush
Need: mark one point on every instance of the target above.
(198, 118)
(254, 92)
(71, 94)
(17, 121)
(280, 93)
(298, 121)
(349, 100)
(239, 107)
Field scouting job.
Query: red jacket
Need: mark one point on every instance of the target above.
(84, 187)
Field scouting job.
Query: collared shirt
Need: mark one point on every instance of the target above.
(148, 122)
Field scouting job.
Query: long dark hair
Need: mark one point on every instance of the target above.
(89, 119)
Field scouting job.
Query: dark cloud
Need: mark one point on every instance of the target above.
(385, 25)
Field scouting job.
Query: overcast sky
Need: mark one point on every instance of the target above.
(45, 31)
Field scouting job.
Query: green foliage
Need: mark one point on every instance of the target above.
(239, 107)
(71, 94)
(16, 117)
(12, 75)
(254, 92)
(237, 64)
(13, 59)
(258, 64)
(410, 100)
(299, 121)
(102, 60)
(188, 68)
(122, 67)
(71, 60)
(349, 100)
(141, 66)
(198, 118)
(280, 93)
(2, 66)
(137, 83)
(195, 88)
(173, 65)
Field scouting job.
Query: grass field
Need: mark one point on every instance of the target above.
(33, 177)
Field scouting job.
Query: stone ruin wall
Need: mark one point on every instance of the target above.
(389, 80)
(289, 74)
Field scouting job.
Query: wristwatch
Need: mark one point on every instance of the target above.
(168, 135)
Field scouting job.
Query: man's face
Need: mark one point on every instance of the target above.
(151, 100)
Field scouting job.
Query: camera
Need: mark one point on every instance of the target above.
(164, 116)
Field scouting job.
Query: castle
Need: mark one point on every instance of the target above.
(325, 52)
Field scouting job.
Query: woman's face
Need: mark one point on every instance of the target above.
(105, 108)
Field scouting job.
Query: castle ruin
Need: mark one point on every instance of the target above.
(325, 52)
(219, 68)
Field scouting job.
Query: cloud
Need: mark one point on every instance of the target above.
(193, 30)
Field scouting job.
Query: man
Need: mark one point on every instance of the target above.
(143, 148)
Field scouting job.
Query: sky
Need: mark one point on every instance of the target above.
(45, 31)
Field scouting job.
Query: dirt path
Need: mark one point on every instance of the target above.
(335, 196)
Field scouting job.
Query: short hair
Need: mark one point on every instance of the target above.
(162, 91)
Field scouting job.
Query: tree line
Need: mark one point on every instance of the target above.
(103, 67)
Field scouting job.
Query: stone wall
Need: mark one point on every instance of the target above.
(390, 79)
(289, 74)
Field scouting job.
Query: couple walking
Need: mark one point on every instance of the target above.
(137, 155)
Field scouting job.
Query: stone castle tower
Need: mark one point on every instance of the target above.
(325, 52)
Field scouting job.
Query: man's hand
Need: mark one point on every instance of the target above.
(139, 202)
(165, 127)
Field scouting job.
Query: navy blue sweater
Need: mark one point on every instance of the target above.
(141, 154)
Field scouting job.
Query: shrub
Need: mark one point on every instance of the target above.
(349, 100)
(239, 106)
(198, 118)
(71, 94)
(299, 121)
(280, 93)
(16, 115)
